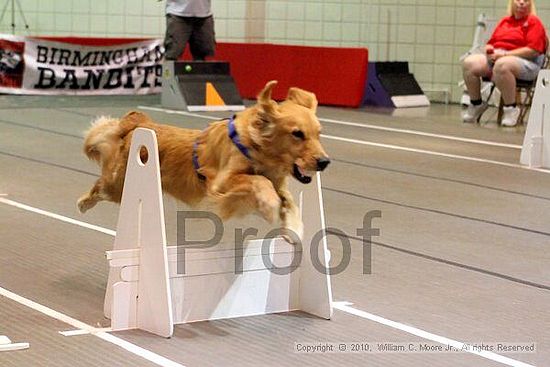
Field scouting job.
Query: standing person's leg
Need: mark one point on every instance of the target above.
(473, 68)
(178, 32)
(203, 40)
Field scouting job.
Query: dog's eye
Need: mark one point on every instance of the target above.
(299, 134)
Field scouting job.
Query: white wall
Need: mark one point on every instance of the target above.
(430, 34)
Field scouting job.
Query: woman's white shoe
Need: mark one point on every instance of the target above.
(473, 113)
(510, 116)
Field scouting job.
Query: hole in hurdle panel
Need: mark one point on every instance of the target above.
(143, 155)
(544, 82)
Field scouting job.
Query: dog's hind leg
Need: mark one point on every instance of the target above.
(102, 190)
(90, 199)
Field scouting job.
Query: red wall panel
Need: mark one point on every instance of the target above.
(336, 75)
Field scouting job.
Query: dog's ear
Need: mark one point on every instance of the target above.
(303, 98)
(265, 102)
(267, 113)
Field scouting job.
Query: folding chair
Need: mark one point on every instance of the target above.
(484, 29)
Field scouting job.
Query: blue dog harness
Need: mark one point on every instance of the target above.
(196, 161)
(233, 135)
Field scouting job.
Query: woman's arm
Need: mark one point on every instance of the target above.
(523, 52)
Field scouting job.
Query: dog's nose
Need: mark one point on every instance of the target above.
(322, 163)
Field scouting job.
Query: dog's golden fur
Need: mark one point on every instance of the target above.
(282, 139)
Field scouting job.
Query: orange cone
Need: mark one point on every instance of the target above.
(212, 96)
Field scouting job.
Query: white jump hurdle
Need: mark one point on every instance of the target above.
(144, 288)
(6, 345)
(536, 143)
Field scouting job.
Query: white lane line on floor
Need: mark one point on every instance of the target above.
(429, 152)
(57, 216)
(363, 126)
(177, 112)
(421, 133)
(342, 306)
(139, 351)
(346, 307)
(78, 332)
(142, 352)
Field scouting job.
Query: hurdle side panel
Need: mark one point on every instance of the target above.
(315, 287)
(141, 225)
(536, 143)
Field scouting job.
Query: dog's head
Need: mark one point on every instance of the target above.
(288, 133)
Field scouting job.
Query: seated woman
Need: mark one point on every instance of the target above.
(515, 50)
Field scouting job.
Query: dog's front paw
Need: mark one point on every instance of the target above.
(292, 222)
(268, 206)
(293, 230)
(290, 236)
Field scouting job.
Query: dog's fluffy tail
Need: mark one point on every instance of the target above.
(104, 137)
(101, 139)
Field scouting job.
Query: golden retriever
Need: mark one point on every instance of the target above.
(243, 171)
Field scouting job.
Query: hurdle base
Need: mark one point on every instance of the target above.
(7, 346)
(206, 286)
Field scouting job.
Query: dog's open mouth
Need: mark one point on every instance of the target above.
(300, 175)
